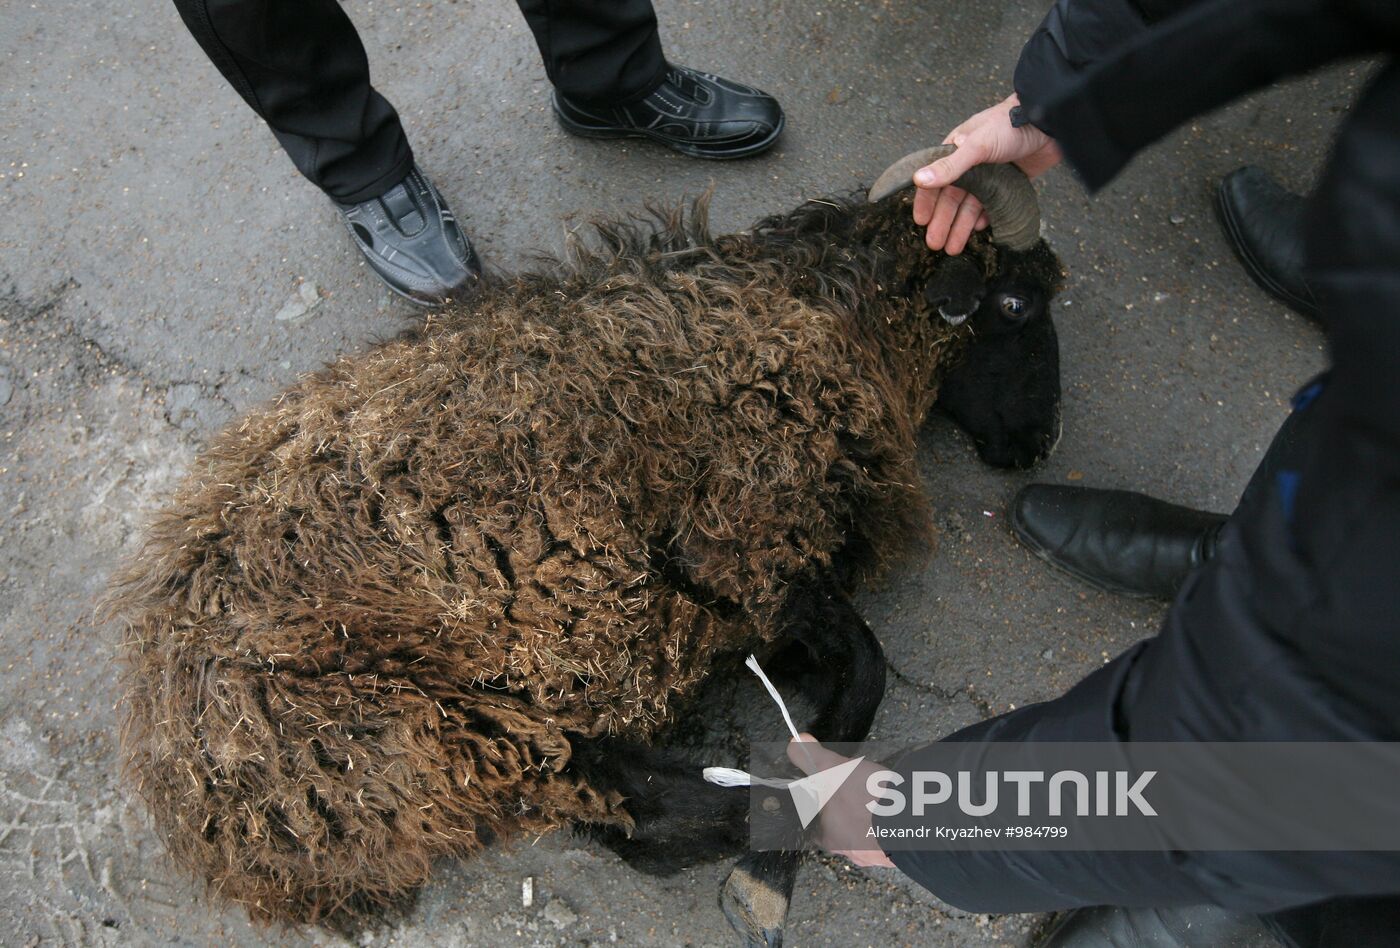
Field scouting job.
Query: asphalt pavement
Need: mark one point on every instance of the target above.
(154, 242)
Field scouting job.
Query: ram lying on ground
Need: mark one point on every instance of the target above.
(447, 592)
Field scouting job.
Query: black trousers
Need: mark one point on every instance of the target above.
(301, 66)
(1229, 666)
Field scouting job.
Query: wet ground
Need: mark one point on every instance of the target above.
(152, 233)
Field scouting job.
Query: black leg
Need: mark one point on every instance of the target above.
(681, 820)
(847, 679)
(846, 673)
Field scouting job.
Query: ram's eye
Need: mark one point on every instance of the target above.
(1014, 306)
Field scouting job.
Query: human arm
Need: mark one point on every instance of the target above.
(949, 213)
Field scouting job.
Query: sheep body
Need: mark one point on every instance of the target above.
(366, 630)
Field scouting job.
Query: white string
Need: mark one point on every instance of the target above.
(729, 777)
(777, 698)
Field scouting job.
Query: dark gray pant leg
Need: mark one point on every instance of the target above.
(598, 51)
(301, 66)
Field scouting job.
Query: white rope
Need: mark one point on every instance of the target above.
(728, 776)
(777, 698)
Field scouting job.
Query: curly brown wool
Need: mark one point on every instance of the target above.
(368, 627)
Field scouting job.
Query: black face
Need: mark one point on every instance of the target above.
(1005, 391)
(956, 289)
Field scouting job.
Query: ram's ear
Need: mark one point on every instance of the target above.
(1004, 191)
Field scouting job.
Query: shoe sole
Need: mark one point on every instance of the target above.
(404, 294)
(422, 303)
(1251, 266)
(1045, 556)
(690, 151)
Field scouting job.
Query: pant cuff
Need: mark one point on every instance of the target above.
(379, 185)
(645, 89)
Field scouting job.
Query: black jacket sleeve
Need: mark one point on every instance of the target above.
(1075, 35)
(1105, 102)
(1108, 77)
(1289, 633)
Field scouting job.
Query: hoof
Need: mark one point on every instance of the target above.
(755, 909)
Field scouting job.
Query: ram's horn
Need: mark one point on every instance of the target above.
(1004, 190)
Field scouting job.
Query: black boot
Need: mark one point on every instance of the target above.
(1264, 225)
(1115, 540)
(694, 113)
(411, 239)
(1197, 926)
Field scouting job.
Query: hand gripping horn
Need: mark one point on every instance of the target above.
(1004, 190)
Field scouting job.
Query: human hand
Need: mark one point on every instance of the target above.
(845, 821)
(949, 212)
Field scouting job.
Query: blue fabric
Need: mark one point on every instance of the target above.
(1288, 482)
(1287, 633)
(1305, 395)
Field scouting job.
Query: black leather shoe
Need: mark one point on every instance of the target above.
(1264, 225)
(696, 114)
(410, 238)
(1114, 540)
(1196, 926)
